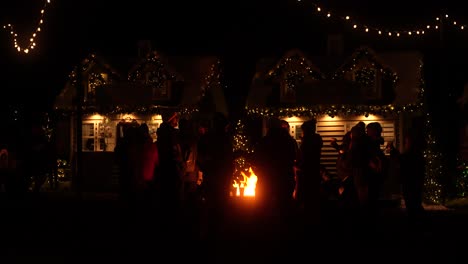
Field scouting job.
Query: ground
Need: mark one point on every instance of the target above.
(65, 228)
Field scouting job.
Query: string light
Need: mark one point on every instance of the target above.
(31, 44)
(159, 73)
(213, 79)
(415, 31)
(153, 65)
(434, 167)
(462, 178)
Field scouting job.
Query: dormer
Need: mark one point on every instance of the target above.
(152, 71)
(292, 70)
(366, 72)
(95, 72)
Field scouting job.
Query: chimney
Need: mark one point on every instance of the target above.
(335, 46)
(144, 47)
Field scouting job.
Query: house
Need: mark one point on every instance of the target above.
(366, 86)
(126, 92)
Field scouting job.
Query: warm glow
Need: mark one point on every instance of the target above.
(156, 119)
(248, 184)
(327, 118)
(95, 117)
(294, 119)
(26, 47)
(368, 117)
(128, 117)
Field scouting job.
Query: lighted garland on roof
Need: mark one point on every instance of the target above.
(364, 74)
(145, 110)
(214, 78)
(156, 69)
(297, 69)
(157, 75)
(95, 79)
(87, 62)
(335, 110)
(365, 77)
(126, 109)
(434, 167)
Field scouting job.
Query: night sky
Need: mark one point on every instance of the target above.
(238, 32)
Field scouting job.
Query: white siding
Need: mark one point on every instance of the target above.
(337, 127)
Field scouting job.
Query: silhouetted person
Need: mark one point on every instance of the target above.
(216, 159)
(188, 137)
(148, 162)
(126, 157)
(311, 150)
(346, 139)
(378, 165)
(273, 159)
(358, 155)
(171, 164)
(297, 193)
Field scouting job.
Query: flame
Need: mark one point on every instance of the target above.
(248, 184)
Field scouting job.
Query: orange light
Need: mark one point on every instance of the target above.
(248, 184)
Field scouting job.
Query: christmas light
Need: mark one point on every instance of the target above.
(434, 167)
(414, 31)
(25, 48)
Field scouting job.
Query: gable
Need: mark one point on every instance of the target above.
(152, 68)
(95, 72)
(400, 82)
(295, 64)
(375, 81)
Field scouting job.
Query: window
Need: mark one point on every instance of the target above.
(98, 136)
(160, 85)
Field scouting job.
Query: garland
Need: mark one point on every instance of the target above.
(335, 110)
(125, 109)
(297, 69)
(158, 74)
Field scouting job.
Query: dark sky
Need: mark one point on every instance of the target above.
(240, 31)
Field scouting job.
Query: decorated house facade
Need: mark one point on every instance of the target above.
(128, 92)
(369, 87)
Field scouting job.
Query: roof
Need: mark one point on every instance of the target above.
(406, 65)
(193, 80)
(306, 63)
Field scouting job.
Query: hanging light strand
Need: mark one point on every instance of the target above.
(415, 31)
(31, 43)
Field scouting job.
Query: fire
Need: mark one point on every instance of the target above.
(248, 184)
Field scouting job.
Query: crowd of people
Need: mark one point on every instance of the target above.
(192, 162)
(167, 172)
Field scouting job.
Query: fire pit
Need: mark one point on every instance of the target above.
(246, 186)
